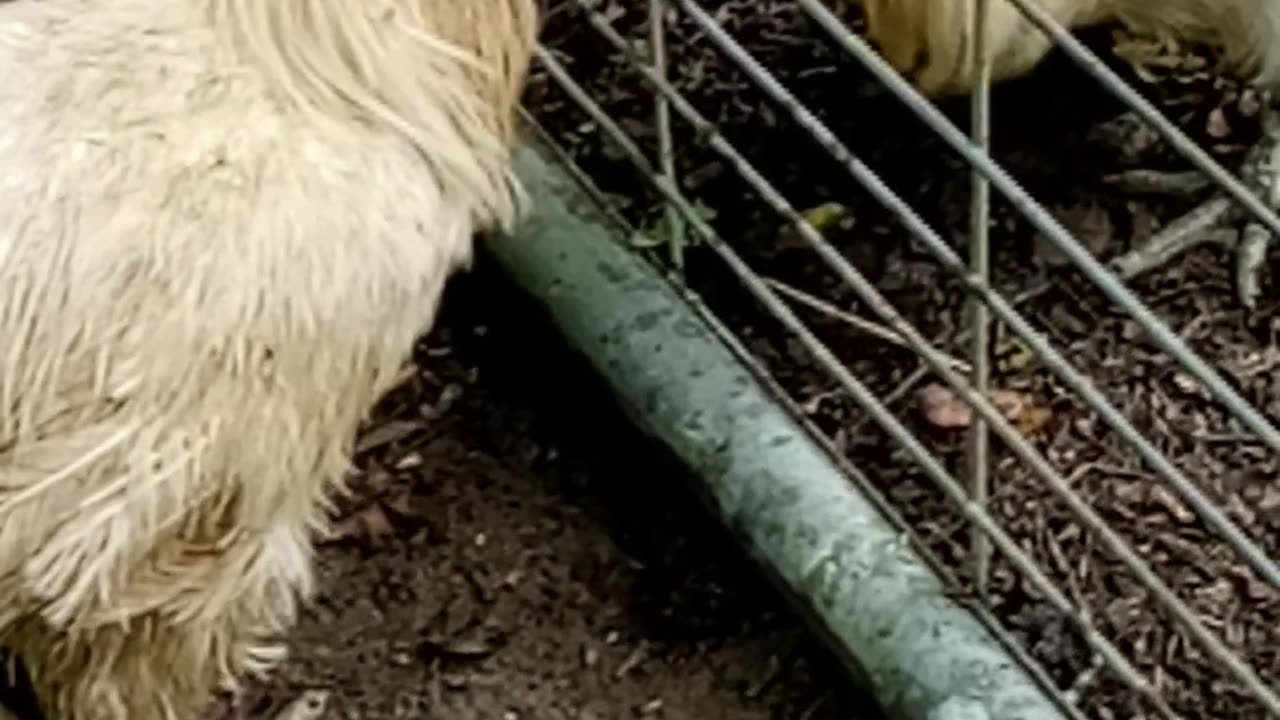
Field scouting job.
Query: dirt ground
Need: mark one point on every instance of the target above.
(514, 550)
(1059, 134)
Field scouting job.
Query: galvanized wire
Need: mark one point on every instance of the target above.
(662, 121)
(985, 170)
(978, 314)
(861, 394)
(938, 362)
(1065, 699)
(1162, 336)
(1054, 232)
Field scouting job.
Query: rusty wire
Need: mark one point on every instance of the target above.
(969, 497)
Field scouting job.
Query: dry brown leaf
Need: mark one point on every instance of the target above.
(944, 409)
(1187, 385)
(1021, 411)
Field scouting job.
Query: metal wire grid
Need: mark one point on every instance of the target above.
(969, 497)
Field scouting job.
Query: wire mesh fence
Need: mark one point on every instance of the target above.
(1080, 435)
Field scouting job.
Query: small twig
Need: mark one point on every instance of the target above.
(1210, 222)
(814, 708)
(1250, 255)
(866, 326)
(772, 673)
(1198, 227)
(1154, 182)
(632, 661)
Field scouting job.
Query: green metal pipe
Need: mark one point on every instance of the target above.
(921, 654)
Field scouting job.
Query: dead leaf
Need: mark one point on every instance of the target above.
(1020, 410)
(946, 410)
(1187, 384)
(943, 409)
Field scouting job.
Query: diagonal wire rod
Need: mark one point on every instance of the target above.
(1058, 235)
(1212, 516)
(865, 398)
(938, 362)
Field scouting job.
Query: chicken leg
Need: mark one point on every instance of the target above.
(929, 41)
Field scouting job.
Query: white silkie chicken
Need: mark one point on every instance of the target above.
(223, 223)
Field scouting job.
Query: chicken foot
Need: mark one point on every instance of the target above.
(1219, 220)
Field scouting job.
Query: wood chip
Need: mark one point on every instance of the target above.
(310, 705)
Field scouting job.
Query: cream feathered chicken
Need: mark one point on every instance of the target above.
(930, 42)
(223, 223)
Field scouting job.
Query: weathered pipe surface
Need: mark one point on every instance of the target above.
(923, 656)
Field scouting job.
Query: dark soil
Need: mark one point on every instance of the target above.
(1058, 133)
(514, 550)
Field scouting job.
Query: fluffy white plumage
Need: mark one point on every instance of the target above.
(223, 223)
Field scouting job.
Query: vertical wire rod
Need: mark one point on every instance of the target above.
(1053, 231)
(938, 362)
(1213, 517)
(862, 395)
(662, 119)
(979, 450)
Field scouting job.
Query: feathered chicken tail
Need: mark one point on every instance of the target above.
(1246, 32)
